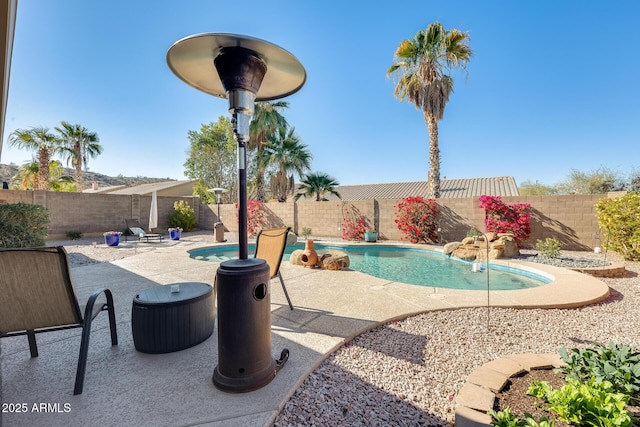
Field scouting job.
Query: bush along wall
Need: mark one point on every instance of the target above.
(23, 225)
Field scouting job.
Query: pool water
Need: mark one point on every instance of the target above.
(407, 265)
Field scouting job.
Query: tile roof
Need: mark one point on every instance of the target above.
(504, 186)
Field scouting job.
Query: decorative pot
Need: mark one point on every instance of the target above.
(112, 239)
(371, 237)
(175, 234)
(309, 256)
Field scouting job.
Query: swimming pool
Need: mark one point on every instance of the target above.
(414, 266)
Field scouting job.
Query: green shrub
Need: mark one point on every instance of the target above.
(549, 247)
(616, 363)
(183, 216)
(74, 235)
(23, 225)
(620, 219)
(473, 232)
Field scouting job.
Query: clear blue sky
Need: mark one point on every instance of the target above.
(553, 85)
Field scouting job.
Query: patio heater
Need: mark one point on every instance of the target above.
(218, 227)
(244, 70)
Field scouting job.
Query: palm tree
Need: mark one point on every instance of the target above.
(44, 144)
(58, 181)
(266, 120)
(79, 145)
(423, 64)
(289, 156)
(317, 184)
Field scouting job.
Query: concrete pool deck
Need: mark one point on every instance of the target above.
(124, 387)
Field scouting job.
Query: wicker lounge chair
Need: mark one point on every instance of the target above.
(270, 245)
(37, 295)
(136, 230)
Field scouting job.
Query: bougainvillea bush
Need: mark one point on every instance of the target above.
(417, 218)
(502, 218)
(353, 223)
(255, 216)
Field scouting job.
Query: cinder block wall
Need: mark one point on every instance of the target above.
(93, 214)
(570, 219)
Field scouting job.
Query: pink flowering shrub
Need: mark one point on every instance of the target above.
(502, 218)
(353, 223)
(417, 218)
(255, 216)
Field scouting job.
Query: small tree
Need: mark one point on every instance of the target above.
(502, 218)
(620, 219)
(417, 218)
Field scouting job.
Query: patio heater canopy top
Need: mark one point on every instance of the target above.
(192, 60)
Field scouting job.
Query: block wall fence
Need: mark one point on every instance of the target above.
(570, 219)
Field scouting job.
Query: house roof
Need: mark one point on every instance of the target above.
(504, 186)
(147, 189)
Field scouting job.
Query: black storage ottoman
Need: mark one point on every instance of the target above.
(163, 321)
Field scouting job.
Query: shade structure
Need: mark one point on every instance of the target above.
(191, 59)
(153, 212)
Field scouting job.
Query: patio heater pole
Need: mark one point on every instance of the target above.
(244, 70)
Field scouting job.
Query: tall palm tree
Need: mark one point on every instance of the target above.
(78, 145)
(267, 118)
(289, 157)
(317, 184)
(44, 144)
(423, 65)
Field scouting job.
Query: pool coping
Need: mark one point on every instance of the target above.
(567, 288)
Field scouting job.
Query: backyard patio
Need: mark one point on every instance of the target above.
(126, 387)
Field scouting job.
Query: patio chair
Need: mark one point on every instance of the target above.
(37, 295)
(136, 229)
(270, 245)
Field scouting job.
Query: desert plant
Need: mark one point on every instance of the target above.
(74, 235)
(615, 363)
(417, 218)
(306, 232)
(183, 216)
(549, 247)
(620, 219)
(23, 225)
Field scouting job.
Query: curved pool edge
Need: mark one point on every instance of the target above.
(567, 289)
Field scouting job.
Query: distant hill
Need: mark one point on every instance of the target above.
(9, 171)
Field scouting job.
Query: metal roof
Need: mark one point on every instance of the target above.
(504, 186)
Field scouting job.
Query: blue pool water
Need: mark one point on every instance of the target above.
(407, 265)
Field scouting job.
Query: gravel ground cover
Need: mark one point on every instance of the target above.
(408, 372)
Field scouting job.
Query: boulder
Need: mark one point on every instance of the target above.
(333, 260)
(468, 252)
(292, 239)
(295, 257)
(450, 247)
